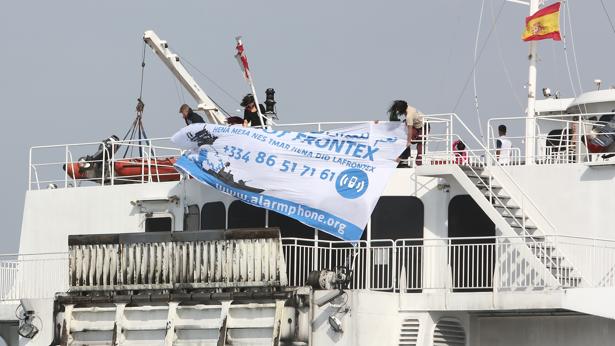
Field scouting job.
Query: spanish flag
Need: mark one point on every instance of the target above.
(543, 24)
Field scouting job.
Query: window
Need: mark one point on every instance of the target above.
(158, 224)
(192, 219)
(471, 265)
(213, 216)
(397, 217)
(467, 219)
(290, 228)
(242, 215)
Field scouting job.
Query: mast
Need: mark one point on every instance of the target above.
(530, 123)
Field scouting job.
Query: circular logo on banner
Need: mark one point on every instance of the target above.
(352, 183)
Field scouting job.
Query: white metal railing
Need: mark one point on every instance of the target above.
(569, 147)
(46, 163)
(148, 158)
(33, 276)
(452, 128)
(461, 264)
(126, 161)
(305, 255)
(559, 139)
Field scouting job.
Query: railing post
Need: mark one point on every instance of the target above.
(496, 270)
(594, 261)
(66, 165)
(578, 144)
(487, 156)
(368, 256)
(394, 266)
(556, 248)
(102, 177)
(30, 169)
(523, 216)
(316, 255)
(448, 270)
(448, 135)
(491, 188)
(111, 162)
(142, 166)
(149, 165)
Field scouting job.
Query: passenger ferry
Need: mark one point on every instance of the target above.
(457, 252)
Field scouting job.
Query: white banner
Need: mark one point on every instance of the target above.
(328, 180)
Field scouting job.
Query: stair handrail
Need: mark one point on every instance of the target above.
(492, 158)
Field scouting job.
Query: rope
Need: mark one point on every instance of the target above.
(131, 131)
(142, 72)
(480, 21)
(607, 15)
(574, 51)
(177, 91)
(565, 45)
(480, 53)
(209, 79)
(214, 83)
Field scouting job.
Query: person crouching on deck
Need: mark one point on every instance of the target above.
(401, 111)
(250, 114)
(190, 117)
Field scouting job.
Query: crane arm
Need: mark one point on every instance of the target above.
(172, 61)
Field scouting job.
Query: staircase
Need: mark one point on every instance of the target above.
(522, 225)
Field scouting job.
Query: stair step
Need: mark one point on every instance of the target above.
(478, 176)
(498, 191)
(507, 211)
(469, 168)
(548, 249)
(516, 224)
(551, 257)
(561, 268)
(484, 184)
(503, 201)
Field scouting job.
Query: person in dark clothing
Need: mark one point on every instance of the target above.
(250, 114)
(401, 111)
(190, 117)
(397, 112)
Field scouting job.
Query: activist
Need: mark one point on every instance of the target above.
(190, 117)
(250, 114)
(401, 111)
(460, 152)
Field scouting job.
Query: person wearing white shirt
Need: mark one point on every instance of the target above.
(503, 146)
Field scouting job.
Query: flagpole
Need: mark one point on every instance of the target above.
(248, 74)
(258, 105)
(530, 123)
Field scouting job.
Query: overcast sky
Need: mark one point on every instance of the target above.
(70, 70)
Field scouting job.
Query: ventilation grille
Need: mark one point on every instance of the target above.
(409, 334)
(449, 332)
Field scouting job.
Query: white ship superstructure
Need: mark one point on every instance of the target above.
(460, 250)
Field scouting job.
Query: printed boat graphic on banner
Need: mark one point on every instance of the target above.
(227, 177)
